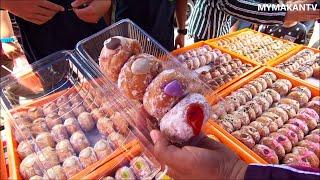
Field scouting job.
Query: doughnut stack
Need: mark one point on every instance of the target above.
(66, 135)
(274, 119)
(304, 64)
(167, 95)
(255, 46)
(214, 68)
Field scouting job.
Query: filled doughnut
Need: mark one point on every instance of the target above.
(266, 153)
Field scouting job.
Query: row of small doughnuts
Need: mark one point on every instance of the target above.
(246, 113)
(255, 46)
(167, 95)
(140, 168)
(304, 64)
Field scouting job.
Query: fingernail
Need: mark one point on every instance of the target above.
(154, 136)
(73, 3)
(62, 9)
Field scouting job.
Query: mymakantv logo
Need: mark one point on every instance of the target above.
(287, 7)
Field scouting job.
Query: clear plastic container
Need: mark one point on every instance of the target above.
(69, 111)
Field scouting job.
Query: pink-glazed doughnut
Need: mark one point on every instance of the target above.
(252, 131)
(245, 138)
(266, 153)
(314, 147)
(275, 145)
(300, 124)
(307, 155)
(295, 129)
(310, 112)
(313, 137)
(283, 140)
(292, 136)
(263, 130)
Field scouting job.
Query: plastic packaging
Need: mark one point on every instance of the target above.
(254, 46)
(69, 93)
(239, 147)
(3, 166)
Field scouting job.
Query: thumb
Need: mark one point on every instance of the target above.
(78, 3)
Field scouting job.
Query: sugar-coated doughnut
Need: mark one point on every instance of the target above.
(79, 141)
(140, 167)
(105, 126)
(307, 155)
(87, 157)
(56, 173)
(39, 126)
(141, 69)
(86, 121)
(274, 94)
(311, 122)
(97, 113)
(302, 89)
(120, 123)
(186, 118)
(29, 167)
(283, 140)
(35, 113)
(314, 147)
(275, 145)
(313, 137)
(245, 138)
(78, 108)
(115, 53)
(280, 112)
(289, 109)
(72, 125)
(52, 120)
(117, 139)
(263, 130)
(299, 96)
(242, 116)
(291, 102)
(59, 133)
(165, 91)
(66, 112)
(291, 135)
(252, 131)
(125, 173)
(266, 153)
(102, 149)
(64, 150)
(25, 148)
(300, 124)
(267, 122)
(48, 158)
(71, 166)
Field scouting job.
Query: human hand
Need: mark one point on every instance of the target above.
(93, 12)
(12, 50)
(302, 15)
(207, 160)
(35, 11)
(179, 42)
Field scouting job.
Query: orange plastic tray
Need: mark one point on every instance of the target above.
(213, 42)
(212, 95)
(3, 166)
(243, 151)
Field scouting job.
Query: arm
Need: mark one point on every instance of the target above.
(181, 14)
(268, 172)
(6, 27)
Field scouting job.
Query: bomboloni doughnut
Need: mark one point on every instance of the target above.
(280, 112)
(115, 53)
(22, 133)
(97, 113)
(311, 122)
(140, 167)
(72, 125)
(45, 139)
(299, 96)
(79, 141)
(86, 121)
(102, 149)
(59, 133)
(71, 166)
(283, 140)
(307, 155)
(29, 167)
(87, 157)
(48, 157)
(39, 126)
(141, 70)
(295, 129)
(245, 138)
(266, 153)
(280, 87)
(52, 120)
(77, 109)
(120, 124)
(267, 122)
(263, 130)
(236, 123)
(64, 150)
(35, 113)
(289, 109)
(117, 139)
(275, 145)
(56, 173)
(242, 116)
(296, 160)
(252, 131)
(274, 94)
(66, 112)
(314, 147)
(274, 117)
(25, 148)
(310, 112)
(300, 124)
(125, 173)
(186, 118)
(226, 125)
(291, 135)
(50, 108)
(105, 126)
(165, 91)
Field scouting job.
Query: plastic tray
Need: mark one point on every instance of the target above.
(61, 74)
(284, 58)
(214, 44)
(3, 166)
(243, 151)
(202, 43)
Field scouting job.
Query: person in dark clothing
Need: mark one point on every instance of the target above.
(294, 31)
(156, 18)
(50, 26)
